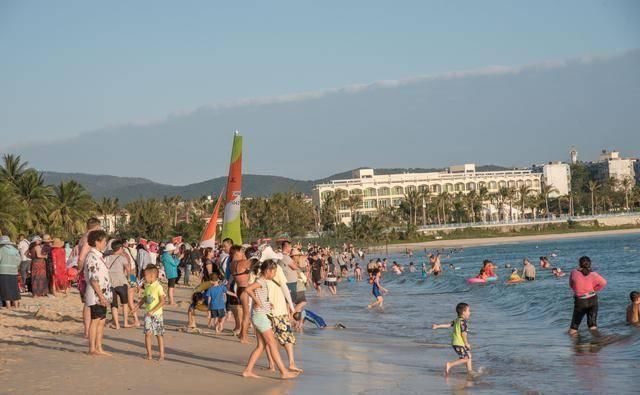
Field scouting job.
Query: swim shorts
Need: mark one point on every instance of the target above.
(261, 322)
(282, 330)
(462, 351)
(172, 282)
(154, 324)
(121, 292)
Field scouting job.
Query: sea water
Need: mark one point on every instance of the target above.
(518, 332)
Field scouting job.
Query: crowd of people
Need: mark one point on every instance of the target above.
(260, 287)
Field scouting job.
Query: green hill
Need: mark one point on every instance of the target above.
(130, 188)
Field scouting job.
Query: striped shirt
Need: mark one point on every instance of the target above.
(262, 294)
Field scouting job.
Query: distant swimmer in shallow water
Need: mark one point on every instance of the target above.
(377, 290)
(488, 267)
(459, 340)
(515, 277)
(436, 266)
(558, 272)
(633, 310)
(544, 262)
(528, 270)
(357, 272)
(424, 270)
(412, 267)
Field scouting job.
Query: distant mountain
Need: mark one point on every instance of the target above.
(127, 189)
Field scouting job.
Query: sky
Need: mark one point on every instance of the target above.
(72, 67)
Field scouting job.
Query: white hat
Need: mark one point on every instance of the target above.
(170, 247)
(267, 253)
(5, 240)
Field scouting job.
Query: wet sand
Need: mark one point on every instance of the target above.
(488, 241)
(45, 353)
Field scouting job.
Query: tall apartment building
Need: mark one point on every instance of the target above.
(611, 165)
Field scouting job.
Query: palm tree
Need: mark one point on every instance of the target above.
(523, 193)
(72, 204)
(593, 186)
(12, 168)
(413, 199)
(9, 210)
(505, 194)
(36, 198)
(627, 185)
(471, 201)
(546, 190)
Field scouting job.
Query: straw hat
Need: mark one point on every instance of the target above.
(57, 242)
(5, 240)
(169, 247)
(47, 239)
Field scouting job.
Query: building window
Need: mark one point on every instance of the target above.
(511, 184)
(398, 190)
(448, 187)
(471, 186)
(502, 184)
(410, 188)
(528, 183)
(459, 187)
(384, 203)
(345, 215)
(370, 203)
(493, 185)
(384, 191)
(424, 188)
(437, 188)
(396, 202)
(355, 192)
(370, 192)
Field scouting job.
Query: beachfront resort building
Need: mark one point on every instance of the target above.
(611, 165)
(380, 191)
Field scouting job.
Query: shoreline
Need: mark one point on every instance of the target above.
(488, 241)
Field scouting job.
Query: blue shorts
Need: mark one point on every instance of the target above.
(376, 292)
(218, 313)
(462, 351)
(261, 322)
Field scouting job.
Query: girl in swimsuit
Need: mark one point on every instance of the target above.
(377, 290)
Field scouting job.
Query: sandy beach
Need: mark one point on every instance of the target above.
(43, 339)
(488, 241)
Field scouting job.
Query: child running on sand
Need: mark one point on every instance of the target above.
(377, 290)
(153, 299)
(459, 340)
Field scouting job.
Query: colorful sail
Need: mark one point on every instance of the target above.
(231, 222)
(208, 238)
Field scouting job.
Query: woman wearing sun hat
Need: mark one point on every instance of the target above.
(39, 284)
(9, 263)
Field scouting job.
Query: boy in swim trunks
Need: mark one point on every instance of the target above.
(459, 340)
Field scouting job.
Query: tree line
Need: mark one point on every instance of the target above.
(29, 206)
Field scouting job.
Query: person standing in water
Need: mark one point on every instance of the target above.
(528, 270)
(585, 284)
(377, 290)
(633, 310)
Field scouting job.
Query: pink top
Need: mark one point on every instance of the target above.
(583, 285)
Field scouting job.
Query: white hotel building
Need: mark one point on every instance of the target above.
(389, 190)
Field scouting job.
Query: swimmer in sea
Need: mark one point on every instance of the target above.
(424, 270)
(377, 291)
(357, 272)
(412, 267)
(557, 272)
(482, 275)
(487, 265)
(544, 262)
(436, 266)
(633, 310)
(515, 277)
